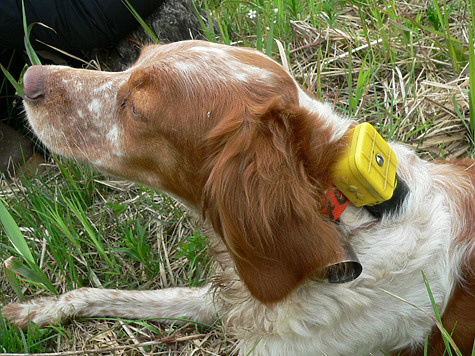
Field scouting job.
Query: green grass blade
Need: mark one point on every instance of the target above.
(208, 34)
(33, 271)
(436, 311)
(224, 32)
(210, 21)
(443, 20)
(56, 218)
(27, 29)
(469, 126)
(144, 25)
(34, 275)
(431, 296)
(75, 207)
(14, 234)
(259, 42)
(270, 39)
(362, 82)
(14, 83)
(14, 283)
(319, 73)
(426, 345)
(349, 80)
(442, 330)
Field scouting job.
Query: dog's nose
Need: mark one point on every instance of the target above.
(33, 83)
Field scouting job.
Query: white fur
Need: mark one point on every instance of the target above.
(338, 124)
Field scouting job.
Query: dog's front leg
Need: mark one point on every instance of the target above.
(191, 303)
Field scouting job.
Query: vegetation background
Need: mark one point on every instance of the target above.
(407, 66)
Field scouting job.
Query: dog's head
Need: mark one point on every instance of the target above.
(222, 128)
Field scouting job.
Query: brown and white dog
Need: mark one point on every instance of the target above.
(228, 131)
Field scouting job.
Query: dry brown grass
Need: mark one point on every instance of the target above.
(412, 94)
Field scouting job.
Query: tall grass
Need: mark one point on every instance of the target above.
(354, 44)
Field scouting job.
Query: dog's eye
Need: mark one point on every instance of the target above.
(134, 112)
(129, 103)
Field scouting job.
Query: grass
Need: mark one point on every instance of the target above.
(406, 66)
(403, 66)
(136, 238)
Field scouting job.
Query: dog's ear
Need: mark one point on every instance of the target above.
(266, 174)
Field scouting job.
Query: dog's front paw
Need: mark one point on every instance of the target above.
(40, 311)
(15, 313)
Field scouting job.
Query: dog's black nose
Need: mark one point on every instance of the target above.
(33, 83)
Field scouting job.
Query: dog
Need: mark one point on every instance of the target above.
(231, 134)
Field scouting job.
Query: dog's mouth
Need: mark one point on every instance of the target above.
(83, 129)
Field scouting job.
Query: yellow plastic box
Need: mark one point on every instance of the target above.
(366, 173)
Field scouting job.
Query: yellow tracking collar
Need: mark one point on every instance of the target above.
(366, 172)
